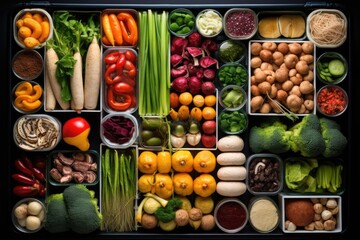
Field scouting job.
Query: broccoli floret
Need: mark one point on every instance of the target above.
(82, 207)
(57, 219)
(167, 213)
(305, 137)
(335, 142)
(269, 137)
(326, 123)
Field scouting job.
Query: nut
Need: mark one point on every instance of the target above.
(331, 203)
(315, 200)
(323, 201)
(317, 216)
(329, 225)
(326, 214)
(290, 226)
(310, 227)
(319, 225)
(318, 207)
(335, 210)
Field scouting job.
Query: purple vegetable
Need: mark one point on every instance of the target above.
(194, 39)
(209, 74)
(118, 129)
(195, 51)
(193, 70)
(208, 88)
(194, 85)
(209, 45)
(208, 61)
(175, 59)
(180, 84)
(181, 71)
(178, 45)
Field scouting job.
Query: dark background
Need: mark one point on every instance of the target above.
(6, 13)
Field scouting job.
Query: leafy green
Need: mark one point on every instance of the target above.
(233, 121)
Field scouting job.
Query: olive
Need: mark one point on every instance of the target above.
(151, 123)
(154, 141)
(146, 134)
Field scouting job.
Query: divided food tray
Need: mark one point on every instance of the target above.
(97, 145)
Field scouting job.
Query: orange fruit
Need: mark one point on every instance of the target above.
(174, 100)
(185, 98)
(184, 112)
(196, 113)
(208, 113)
(210, 100)
(147, 162)
(198, 100)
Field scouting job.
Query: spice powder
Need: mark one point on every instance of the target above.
(264, 216)
(27, 65)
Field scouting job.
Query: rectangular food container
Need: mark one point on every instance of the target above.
(265, 63)
(336, 213)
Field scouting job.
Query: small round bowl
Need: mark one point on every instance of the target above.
(46, 136)
(233, 122)
(271, 167)
(28, 215)
(231, 51)
(27, 97)
(233, 74)
(331, 100)
(231, 215)
(232, 97)
(328, 36)
(187, 20)
(119, 130)
(36, 13)
(27, 64)
(240, 23)
(264, 214)
(331, 68)
(209, 23)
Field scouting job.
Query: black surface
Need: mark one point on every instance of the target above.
(352, 123)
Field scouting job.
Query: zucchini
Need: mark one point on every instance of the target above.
(336, 67)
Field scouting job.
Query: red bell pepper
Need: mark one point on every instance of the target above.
(120, 64)
(130, 69)
(118, 102)
(111, 57)
(123, 87)
(130, 55)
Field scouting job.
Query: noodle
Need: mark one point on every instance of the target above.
(327, 28)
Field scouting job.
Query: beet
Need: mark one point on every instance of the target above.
(193, 69)
(180, 84)
(194, 85)
(208, 61)
(209, 45)
(209, 74)
(181, 71)
(178, 45)
(195, 51)
(208, 140)
(175, 60)
(208, 88)
(195, 39)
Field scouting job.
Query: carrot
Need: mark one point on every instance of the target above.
(92, 75)
(105, 41)
(77, 85)
(115, 28)
(51, 59)
(50, 100)
(107, 28)
(130, 31)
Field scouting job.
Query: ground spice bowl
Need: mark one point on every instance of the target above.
(263, 218)
(245, 19)
(27, 64)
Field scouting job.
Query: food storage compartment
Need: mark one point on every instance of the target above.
(280, 91)
(282, 25)
(28, 215)
(76, 87)
(311, 213)
(65, 167)
(120, 84)
(27, 97)
(119, 27)
(264, 214)
(240, 23)
(27, 64)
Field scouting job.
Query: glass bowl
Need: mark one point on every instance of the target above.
(119, 130)
(264, 214)
(27, 97)
(331, 68)
(233, 74)
(28, 215)
(183, 17)
(231, 215)
(240, 23)
(232, 97)
(265, 174)
(20, 34)
(27, 64)
(209, 23)
(233, 122)
(331, 100)
(231, 51)
(46, 137)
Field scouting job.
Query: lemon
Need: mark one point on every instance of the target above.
(205, 204)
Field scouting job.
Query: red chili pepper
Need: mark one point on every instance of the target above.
(123, 87)
(42, 191)
(109, 74)
(130, 55)
(25, 191)
(38, 174)
(118, 102)
(27, 162)
(40, 163)
(129, 80)
(20, 166)
(120, 64)
(24, 179)
(131, 69)
(111, 57)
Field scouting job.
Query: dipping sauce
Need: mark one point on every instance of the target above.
(231, 215)
(332, 100)
(240, 23)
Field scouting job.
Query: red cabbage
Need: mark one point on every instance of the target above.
(194, 85)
